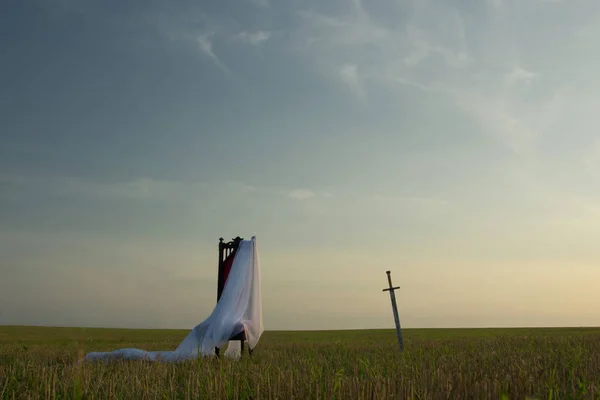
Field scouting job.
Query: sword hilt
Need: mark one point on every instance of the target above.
(390, 282)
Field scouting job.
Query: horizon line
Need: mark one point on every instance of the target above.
(311, 330)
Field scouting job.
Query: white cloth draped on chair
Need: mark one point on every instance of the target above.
(239, 309)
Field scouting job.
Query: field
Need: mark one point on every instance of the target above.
(459, 364)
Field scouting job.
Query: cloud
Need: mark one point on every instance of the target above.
(495, 3)
(410, 201)
(326, 32)
(261, 3)
(496, 116)
(239, 186)
(205, 45)
(469, 62)
(384, 54)
(349, 75)
(301, 194)
(255, 38)
(137, 189)
(521, 75)
(422, 45)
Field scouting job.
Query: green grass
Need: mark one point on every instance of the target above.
(546, 363)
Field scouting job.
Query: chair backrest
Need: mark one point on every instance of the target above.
(227, 252)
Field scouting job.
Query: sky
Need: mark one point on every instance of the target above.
(454, 143)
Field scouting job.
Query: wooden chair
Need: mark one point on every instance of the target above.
(227, 252)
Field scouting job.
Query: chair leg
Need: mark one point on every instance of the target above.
(242, 346)
(217, 351)
(250, 351)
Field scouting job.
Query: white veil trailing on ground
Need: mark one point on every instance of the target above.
(239, 309)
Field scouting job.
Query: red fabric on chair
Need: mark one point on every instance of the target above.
(227, 263)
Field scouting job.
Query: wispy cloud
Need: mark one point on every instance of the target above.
(410, 201)
(301, 194)
(239, 186)
(254, 38)
(261, 3)
(205, 45)
(140, 189)
(430, 51)
(521, 75)
(495, 3)
(349, 75)
(424, 44)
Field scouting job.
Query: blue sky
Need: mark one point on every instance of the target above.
(453, 142)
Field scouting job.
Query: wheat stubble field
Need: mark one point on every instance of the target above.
(40, 363)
